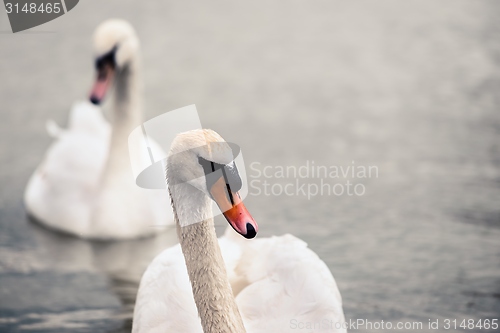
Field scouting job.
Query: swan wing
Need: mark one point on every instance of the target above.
(88, 118)
(122, 208)
(287, 287)
(165, 300)
(62, 187)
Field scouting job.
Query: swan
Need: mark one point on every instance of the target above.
(233, 284)
(84, 186)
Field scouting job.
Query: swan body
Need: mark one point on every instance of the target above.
(85, 186)
(286, 285)
(276, 283)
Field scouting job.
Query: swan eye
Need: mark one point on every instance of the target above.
(107, 59)
(213, 171)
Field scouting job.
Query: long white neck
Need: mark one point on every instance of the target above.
(126, 116)
(211, 289)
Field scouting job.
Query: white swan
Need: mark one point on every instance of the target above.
(266, 285)
(84, 185)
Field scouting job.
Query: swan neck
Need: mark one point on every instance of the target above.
(207, 272)
(127, 113)
(126, 116)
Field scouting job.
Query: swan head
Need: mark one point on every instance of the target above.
(203, 160)
(116, 46)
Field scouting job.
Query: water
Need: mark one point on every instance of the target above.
(411, 88)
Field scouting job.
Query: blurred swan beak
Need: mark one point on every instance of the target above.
(233, 209)
(103, 82)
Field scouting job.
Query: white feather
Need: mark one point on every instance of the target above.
(53, 129)
(278, 282)
(85, 185)
(64, 191)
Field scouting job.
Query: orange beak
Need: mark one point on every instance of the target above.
(102, 83)
(233, 209)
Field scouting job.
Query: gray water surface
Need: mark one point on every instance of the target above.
(412, 88)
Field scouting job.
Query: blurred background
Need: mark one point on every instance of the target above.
(410, 87)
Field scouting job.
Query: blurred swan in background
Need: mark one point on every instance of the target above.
(231, 284)
(84, 186)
